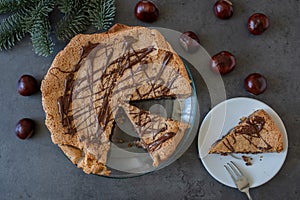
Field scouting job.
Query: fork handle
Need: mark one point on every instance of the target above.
(248, 195)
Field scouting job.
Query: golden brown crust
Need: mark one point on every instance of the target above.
(52, 88)
(269, 139)
(87, 163)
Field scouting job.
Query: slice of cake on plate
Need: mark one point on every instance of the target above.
(256, 133)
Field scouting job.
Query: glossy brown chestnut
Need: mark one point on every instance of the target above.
(255, 83)
(146, 11)
(189, 41)
(223, 9)
(24, 128)
(27, 85)
(223, 62)
(258, 23)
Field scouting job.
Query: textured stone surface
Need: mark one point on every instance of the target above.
(36, 169)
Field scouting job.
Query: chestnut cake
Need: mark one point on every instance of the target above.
(95, 76)
(256, 133)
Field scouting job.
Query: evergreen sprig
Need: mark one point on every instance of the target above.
(12, 5)
(66, 6)
(40, 37)
(32, 16)
(11, 31)
(102, 13)
(38, 25)
(75, 21)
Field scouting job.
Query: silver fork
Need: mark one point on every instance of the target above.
(239, 179)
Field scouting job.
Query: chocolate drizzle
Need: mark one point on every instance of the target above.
(253, 126)
(64, 101)
(107, 83)
(250, 131)
(110, 73)
(154, 86)
(147, 124)
(228, 145)
(85, 50)
(156, 144)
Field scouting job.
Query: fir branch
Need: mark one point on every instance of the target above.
(102, 13)
(32, 16)
(74, 22)
(12, 5)
(40, 37)
(14, 27)
(65, 6)
(11, 31)
(37, 11)
(38, 25)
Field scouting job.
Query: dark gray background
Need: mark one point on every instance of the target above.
(36, 168)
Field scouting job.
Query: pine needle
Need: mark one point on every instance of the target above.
(40, 37)
(74, 22)
(37, 11)
(12, 5)
(65, 6)
(32, 16)
(102, 13)
(11, 31)
(37, 24)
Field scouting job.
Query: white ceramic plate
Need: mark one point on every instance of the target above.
(218, 122)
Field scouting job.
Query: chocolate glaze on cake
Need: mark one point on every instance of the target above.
(251, 129)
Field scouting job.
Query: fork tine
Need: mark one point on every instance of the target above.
(236, 170)
(229, 172)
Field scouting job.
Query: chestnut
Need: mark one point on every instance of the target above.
(146, 11)
(27, 85)
(258, 23)
(255, 83)
(223, 9)
(24, 128)
(223, 62)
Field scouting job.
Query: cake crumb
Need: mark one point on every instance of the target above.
(248, 160)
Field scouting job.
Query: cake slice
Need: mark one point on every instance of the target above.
(256, 133)
(159, 136)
